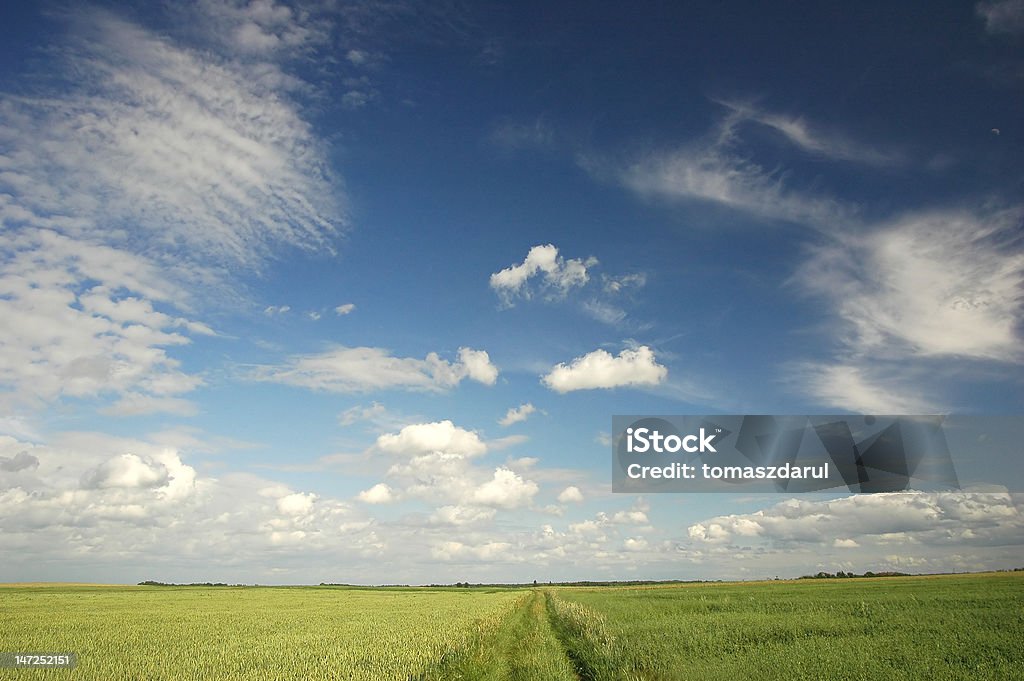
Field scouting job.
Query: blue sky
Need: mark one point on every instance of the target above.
(349, 292)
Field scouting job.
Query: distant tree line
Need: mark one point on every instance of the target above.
(847, 575)
(150, 582)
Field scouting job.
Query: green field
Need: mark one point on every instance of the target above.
(954, 627)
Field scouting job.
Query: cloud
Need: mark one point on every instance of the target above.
(462, 515)
(517, 414)
(813, 141)
(198, 158)
(345, 309)
(939, 518)
(507, 489)
(126, 470)
(135, 404)
(930, 284)
(559, 275)
(360, 369)
(515, 136)
(378, 494)
(436, 463)
(19, 462)
(570, 494)
(99, 502)
(424, 438)
(599, 369)
(81, 321)
(863, 387)
(296, 504)
(272, 310)
(1002, 16)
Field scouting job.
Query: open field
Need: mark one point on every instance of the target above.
(954, 627)
(184, 633)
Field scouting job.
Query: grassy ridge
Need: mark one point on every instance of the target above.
(957, 627)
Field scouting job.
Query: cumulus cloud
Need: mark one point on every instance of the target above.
(507, 489)
(557, 275)
(599, 369)
(425, 438)
(91, 499)
(517, 414)
(939, 518)
(378, 494)
(126, 470)
(81, 321)
(436, 462)
(570, 494)
(345, 370)
(344, 309)
(19, 462)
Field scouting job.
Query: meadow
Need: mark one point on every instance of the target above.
(942, 627)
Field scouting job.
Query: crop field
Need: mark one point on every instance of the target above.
(950, 627)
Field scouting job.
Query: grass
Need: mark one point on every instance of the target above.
(955, 627)
(201, 633)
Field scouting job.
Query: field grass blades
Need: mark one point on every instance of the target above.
(520, 646)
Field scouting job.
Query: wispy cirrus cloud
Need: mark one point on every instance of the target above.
(927, 284)
(360, 369)
(158, 144)
(810, 138)
(158, 164)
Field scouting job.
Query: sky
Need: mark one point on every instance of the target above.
(350, 291)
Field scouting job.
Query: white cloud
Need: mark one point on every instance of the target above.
(814, 141)
(861, 388)
(296, 504)
(934, 518)
(559, 275)
(507, 489)
(97, 502)
(272, 310)
(260, 27)
(346, 308)
(437, 463)
(200, 158)
(80, 321)
(517, 414)
(570, 494)
(462, 515)
(1002, 16)
(927, 285)
(714, 173)
(126, 470)
(599, 369)
(625, 282)
(343, 369)
(378, 494)
(604, 312)
(426, 438)
(135, 404)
